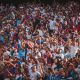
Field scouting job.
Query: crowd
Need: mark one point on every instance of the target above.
(40, 41)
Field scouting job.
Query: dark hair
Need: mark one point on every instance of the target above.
(1, 77)
(49, 69)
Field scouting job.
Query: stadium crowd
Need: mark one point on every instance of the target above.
(40, 42)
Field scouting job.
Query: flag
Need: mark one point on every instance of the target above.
(30, 44)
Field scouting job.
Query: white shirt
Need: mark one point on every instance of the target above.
(29, 67)
(43, 52)
(67, 55)
(28, 35)
(33, 75)
(6, 53)
(61, 55)
(17, 76)
(51, 46)
(40, 32)
(52, 24)
(73, 50)
(34, 14)
(15, 54)
(29, 51)
(13, 15)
